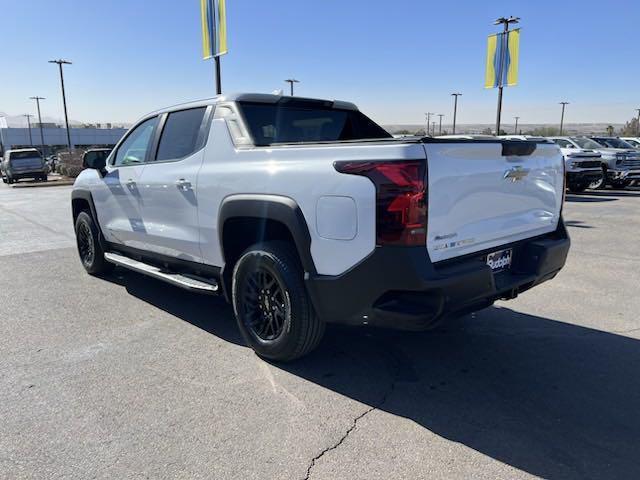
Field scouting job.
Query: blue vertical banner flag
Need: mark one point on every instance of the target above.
(213, 16)
(503, 52)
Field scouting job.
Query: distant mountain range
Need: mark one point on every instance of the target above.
(477, 128)
(20, 121)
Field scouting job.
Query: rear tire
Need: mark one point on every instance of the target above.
(273, 310)
(89, 248)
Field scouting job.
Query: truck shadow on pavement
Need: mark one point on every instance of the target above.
(549, 398)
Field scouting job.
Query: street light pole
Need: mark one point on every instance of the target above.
(433, 128)
(455, 109)
(37, 99)
(564, 104)
(516, 129)
(61, 62)
(638, 125)
(428, 115)
(28, 115)
(440, 127)
(291, 81)
(503, 56)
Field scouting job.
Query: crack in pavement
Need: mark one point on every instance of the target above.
(354, 422)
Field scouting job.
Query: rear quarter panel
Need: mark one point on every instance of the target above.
(304, 174)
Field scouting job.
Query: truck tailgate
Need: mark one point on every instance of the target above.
(484, 194)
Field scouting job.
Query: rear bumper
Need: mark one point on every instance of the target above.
(26, 173)
(399, 287)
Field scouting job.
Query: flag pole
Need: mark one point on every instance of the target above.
(218, 76)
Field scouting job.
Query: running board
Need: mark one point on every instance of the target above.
(177, 279)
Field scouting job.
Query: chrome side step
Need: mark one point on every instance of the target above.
(177, 279)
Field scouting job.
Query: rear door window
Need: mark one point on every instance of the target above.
(180, 134)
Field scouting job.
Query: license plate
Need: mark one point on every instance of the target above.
(500, 260)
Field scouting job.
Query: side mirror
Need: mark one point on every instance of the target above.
(94, 160)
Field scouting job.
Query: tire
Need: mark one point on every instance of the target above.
(89, 248)
(620, 185)
(44, 178)
(273, 310)
(599, 184)
(577, 187)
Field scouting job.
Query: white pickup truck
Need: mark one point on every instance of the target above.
(302, 212)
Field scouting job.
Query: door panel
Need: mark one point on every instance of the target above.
(117, 200)
(168, 199)
(117, 205)
(169, 208)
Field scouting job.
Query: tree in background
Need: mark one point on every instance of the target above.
(610, 130)
(544, 132)
(630, 129)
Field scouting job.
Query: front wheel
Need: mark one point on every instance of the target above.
(273, 310)
(89, 248)
(598, 184)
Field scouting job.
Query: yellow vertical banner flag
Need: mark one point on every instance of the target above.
(213, 18)
(503, 55)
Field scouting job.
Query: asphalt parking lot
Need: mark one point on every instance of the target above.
(126, 377)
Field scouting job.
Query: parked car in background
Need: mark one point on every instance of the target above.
(304, 211)
(622, 161)
(23, 163)
(583, 166)
(633, 141)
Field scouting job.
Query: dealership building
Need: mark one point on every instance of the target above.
(55, 138)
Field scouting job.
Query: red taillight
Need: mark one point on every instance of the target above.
(401, 199)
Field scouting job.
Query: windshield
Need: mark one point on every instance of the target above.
(307, 122)
(633, 143)
(586, 143)
(613, 143)
(23, 155)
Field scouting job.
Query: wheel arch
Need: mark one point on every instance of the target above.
(82, 200)
(246, 219)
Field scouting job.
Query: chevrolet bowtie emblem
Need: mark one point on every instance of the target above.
(516, 173)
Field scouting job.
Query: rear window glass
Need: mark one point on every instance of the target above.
(305, 122)
(180, 134)
(21, 155)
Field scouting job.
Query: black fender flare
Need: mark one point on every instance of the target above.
(270, 207)
(85, 195)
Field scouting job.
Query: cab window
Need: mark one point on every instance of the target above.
(134, 148)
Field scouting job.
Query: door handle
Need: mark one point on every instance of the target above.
(131, 183)
(183, 184)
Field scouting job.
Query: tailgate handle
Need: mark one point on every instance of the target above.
(518, 148)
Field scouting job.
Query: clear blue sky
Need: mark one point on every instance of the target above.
(395, 59)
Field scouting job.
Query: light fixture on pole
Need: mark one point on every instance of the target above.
(440, 127)
(61, 62)
(455, 109)
(28, 117)
(37, 99)
(291, 81)
(564, 104)
(502, 62)
(516, 129)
